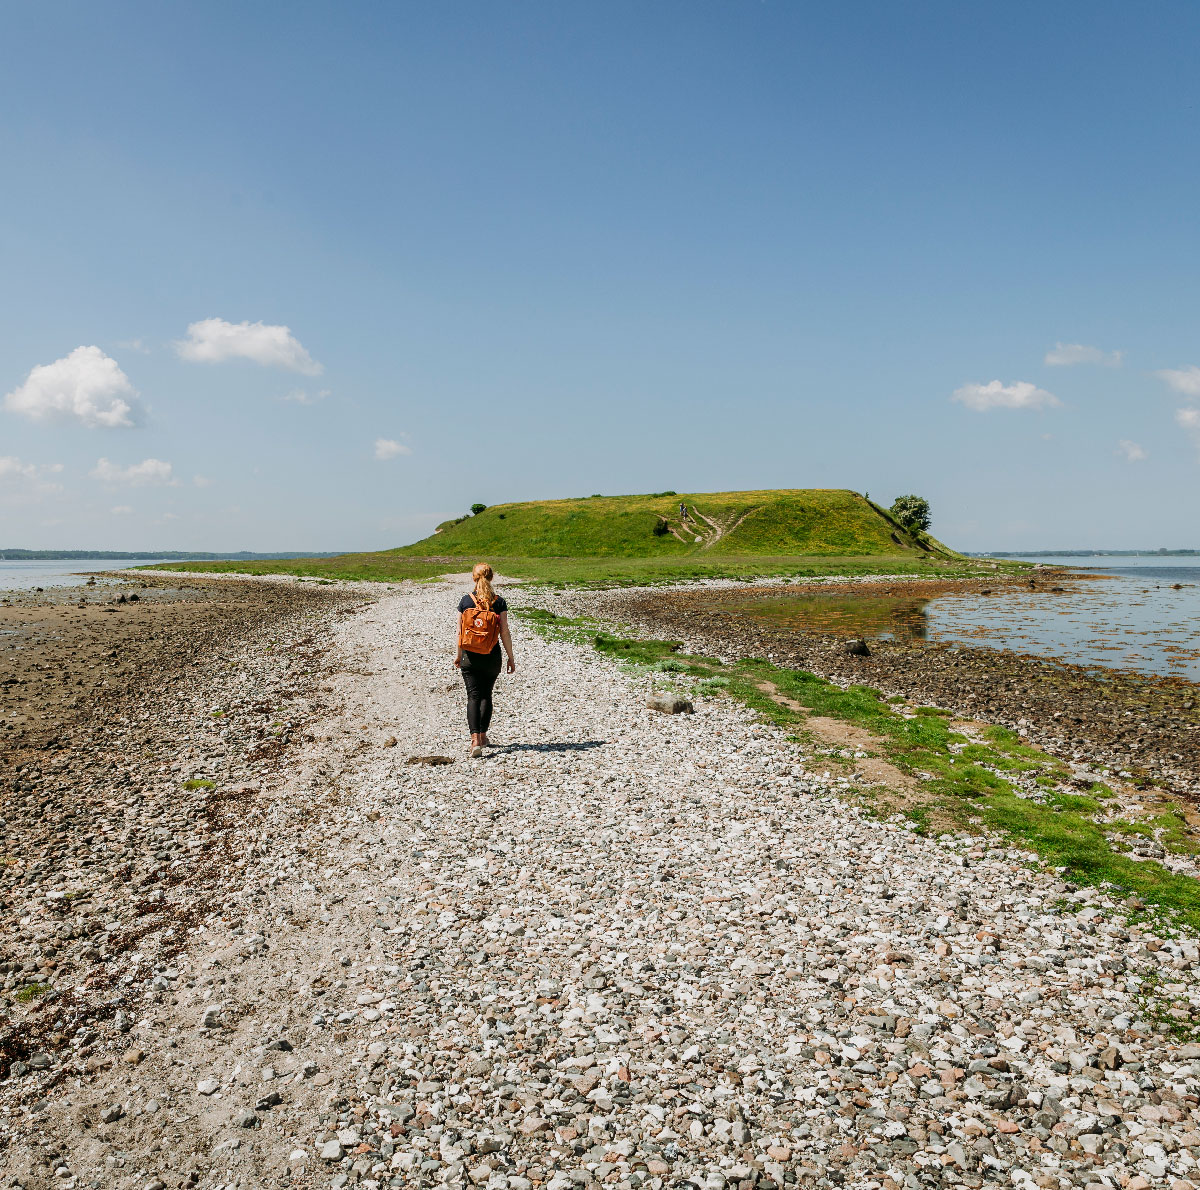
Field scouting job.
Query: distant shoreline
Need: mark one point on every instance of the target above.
(1085, 554)
(16, 555)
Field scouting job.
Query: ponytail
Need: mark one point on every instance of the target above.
(484, 595)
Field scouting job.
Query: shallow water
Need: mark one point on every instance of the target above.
(26, 575)
(1129, 617)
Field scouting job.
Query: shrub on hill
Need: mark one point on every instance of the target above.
(913, 513)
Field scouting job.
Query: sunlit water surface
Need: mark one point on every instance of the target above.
(1140, 614)
(34, 573)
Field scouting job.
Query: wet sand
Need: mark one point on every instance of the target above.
(67, 654)
(136, 737)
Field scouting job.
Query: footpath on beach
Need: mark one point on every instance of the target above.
(624, 948)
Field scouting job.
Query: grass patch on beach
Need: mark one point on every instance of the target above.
(391, 567)
(965, 783)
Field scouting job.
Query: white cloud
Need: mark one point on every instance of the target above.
(134, 345)
(1063, 355)
(121, 510)
(212, 340)
(202, 481)
(1182, 380)
(86, 386)
(389, 448)
(1131, 451)
(301, 396)
(143, 474)
(1018, 395)
(13, 468)
(1189, 421)
(30, 477)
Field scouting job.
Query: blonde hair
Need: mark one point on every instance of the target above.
(483, 574)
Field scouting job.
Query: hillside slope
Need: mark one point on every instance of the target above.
(786, 522)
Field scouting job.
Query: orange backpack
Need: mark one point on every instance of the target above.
(478, 630)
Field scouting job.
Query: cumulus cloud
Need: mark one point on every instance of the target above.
(1189, 421)
(301, 396)
(144, 474)
(1182, 380)
(30, 477)
(1131, 451)
(213, 340)
(389, 448)
(1063, 355)
(1018, 395)
(86, 386)
(121, 510)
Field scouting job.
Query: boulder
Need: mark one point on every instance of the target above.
(669, 704)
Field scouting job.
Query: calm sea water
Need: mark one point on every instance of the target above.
(1139, 614)
(25, 576)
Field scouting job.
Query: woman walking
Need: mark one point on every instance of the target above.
(482, 625)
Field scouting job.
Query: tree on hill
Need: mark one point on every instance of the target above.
(476, 509)
(913, 513)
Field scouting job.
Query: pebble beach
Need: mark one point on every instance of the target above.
(625, 948)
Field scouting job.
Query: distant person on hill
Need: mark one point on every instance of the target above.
(482, 625)
(683, 512)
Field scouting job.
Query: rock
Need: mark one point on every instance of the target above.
(271, 1099)
(857, 648)
(331, 1150)
(110, 1115)
(246, 1118)
(208, 1086)
(132, 1057)
(670, 704)
(210, 1018)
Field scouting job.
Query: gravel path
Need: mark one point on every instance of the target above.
(627, 948)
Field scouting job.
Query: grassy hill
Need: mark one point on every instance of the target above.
(643, 539)
(788, 522)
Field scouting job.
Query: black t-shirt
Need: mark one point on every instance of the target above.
(468, 601)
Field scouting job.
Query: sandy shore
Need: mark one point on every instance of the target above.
(625, 948)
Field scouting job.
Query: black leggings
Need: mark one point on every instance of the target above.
(480, 671)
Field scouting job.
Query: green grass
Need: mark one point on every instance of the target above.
(31, 991)
(392, 567)
(199, 783)
(611, 540)
(777, 522)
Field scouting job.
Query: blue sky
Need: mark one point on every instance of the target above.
(553, 249)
